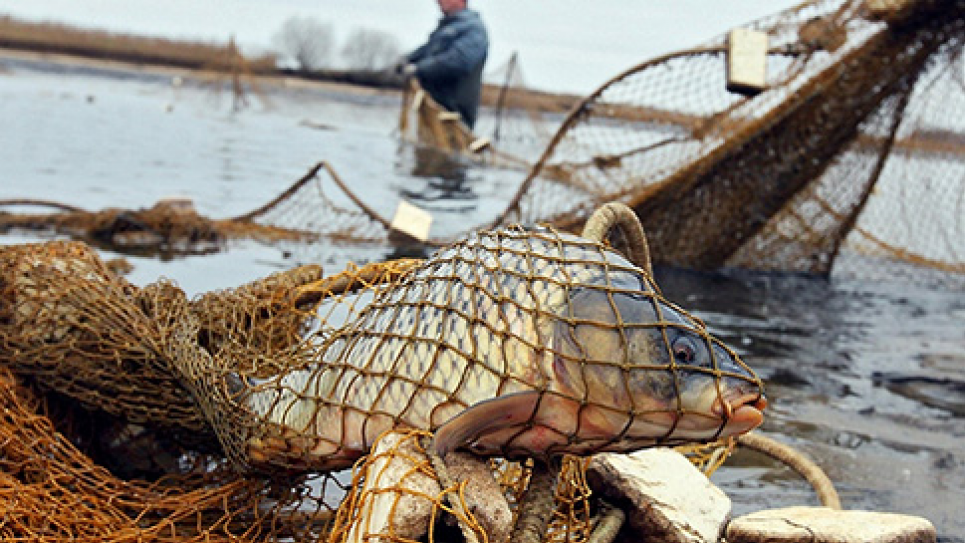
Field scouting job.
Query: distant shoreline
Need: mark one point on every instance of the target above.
(66, 44)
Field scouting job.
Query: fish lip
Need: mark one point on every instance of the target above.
(745, 407)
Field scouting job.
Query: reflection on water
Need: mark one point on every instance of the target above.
(867, 378)
(447, 182)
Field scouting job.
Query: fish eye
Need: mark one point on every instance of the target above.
(684, 350)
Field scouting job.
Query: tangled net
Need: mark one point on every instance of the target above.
(128, 409)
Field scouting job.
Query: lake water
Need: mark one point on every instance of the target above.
(867, 378)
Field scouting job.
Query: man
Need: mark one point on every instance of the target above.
(449, 66)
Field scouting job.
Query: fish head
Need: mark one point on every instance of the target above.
(644, 372)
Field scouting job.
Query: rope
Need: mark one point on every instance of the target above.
(538, 505)
(618, 224)
(43, 203)
(450, 490)
(611, 520)
(803, 465)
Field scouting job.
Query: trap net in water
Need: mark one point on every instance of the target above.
(849, 158)
(133, 413)
(316, 206)
(851, 154)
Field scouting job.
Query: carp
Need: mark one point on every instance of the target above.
(515, 343)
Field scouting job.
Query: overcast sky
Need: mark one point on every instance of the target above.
(563, 45)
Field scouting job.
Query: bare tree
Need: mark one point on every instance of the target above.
(368, 49)
(306, 41)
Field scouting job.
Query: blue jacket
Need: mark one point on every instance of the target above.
(449, 66)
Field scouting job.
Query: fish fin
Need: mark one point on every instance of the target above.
(485, 416)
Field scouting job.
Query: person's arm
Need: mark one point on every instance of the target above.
(418, 53)
(465, 53)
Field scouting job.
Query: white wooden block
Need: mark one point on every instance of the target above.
(746, 61)
(181, 204)
(411, 222)
(887, 10)
(669, 499)
(479, 144)
(823, 525)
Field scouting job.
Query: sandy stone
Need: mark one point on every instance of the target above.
(666, 498)
(398, 496)
(824, 525)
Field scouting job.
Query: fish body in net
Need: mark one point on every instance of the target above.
(514, 343)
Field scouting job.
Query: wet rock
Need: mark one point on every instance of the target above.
(666, 498)
(941, 393)
(824, 525)
(397, 496)
(484, 497)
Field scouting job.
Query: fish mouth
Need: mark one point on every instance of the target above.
(741, 413)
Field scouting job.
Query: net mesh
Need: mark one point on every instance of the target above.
(133, 413)
(853, 140)
(536, 326)
(316, 206)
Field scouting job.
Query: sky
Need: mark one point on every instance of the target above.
(563, 45)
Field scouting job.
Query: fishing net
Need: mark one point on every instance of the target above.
(316, 206)
(424, 120)
(517, 119)
(549, 320)
(168, 227)
(418, 488)
(133, 413)
(101, 437)
(833, 166)
(514, 124)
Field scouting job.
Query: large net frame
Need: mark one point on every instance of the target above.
(853, 140)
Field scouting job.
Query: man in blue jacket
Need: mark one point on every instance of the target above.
(449, 66)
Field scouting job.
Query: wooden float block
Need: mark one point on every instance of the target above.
(665, 497)
(179, 204)
(888, 10)
(479, 144)
(410, 223)
(746, 61)
(449, 117)
(824, 525)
